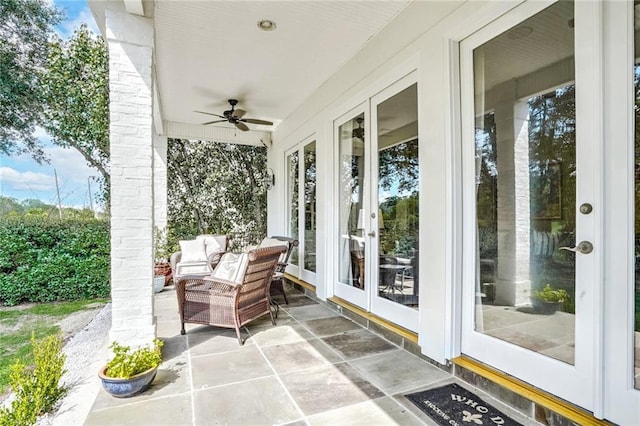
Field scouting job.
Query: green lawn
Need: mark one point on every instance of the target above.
(17, 325)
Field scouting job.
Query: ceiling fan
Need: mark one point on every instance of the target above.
(235, 116)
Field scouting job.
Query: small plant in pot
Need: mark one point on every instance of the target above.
(162, 269)
(548, 300)
(129, 372)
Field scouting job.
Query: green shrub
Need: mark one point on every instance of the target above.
(36, 389)
(46, 261)
(550, 294)
(126, 364)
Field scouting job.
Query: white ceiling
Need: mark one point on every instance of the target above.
(210, 51)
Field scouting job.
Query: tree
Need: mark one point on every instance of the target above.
(75, 88)
(216, 188)
(25, 27)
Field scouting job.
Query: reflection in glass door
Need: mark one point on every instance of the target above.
(532, 163)
(293, 165)
(351, 208)
(309, 198)
(397, 198)
(636, 293)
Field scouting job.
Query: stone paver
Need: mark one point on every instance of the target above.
(315, 367)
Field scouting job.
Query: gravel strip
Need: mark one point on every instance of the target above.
(85, 350)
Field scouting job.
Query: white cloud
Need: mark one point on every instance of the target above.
(41, 134)
(65, 29)
(26, 180)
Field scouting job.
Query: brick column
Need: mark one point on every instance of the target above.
(160, 181)
(512, 131)
(130, 43)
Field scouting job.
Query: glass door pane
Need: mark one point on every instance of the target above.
(293, 180)
(636, 82)
(397, 195)
(525, 141)
(529, 161)
(310, 206)
(351, 150)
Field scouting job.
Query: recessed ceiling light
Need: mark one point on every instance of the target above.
(266, 25)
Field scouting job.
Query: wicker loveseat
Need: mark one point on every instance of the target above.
(236, 293)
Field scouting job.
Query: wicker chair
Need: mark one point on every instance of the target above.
(224, 301)
(277, 282)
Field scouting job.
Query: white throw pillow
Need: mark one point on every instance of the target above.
(192, 251)
(231, 267)
(211, 244)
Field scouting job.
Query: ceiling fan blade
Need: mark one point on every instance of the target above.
(241, 126)
(214, 121)
(210, 113)
(256, 121)
(239, 113)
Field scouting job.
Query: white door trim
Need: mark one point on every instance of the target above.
(621, 399)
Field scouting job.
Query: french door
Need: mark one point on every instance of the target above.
(532, 246)
(301, 199)
(378, 194)
(551, 190)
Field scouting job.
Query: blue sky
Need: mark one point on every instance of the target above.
(22, 178)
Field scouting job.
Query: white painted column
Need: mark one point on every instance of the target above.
(160, 181)
(512, 118)
(130, 43)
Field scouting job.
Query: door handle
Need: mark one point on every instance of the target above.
(372, 234)
(584, 247)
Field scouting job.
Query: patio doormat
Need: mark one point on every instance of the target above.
(452, 405)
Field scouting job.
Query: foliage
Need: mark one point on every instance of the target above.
(38, 389)
(399, 236)
(216, 188)
(163, 248)
(21, 324)
(549, 294)
(29, 209)
(552, 137)
(75, 87)
(14, 345)
(398, 165)
(126, 363)
(25, 26)
(44, 261)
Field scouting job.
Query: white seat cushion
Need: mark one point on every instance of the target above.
(232, 267)
(193, 268)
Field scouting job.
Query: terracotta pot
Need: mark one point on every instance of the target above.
(163, 269)
(124, 388)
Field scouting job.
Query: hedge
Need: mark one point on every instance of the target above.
(46, 261)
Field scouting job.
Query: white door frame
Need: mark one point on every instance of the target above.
(621, 399)
(577, 383)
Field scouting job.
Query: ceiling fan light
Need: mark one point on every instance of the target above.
(266, 25)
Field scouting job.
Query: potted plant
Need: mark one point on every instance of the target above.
(130, 372)
(548, 300)
(162, 269)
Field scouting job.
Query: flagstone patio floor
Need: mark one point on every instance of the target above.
(315, 367)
